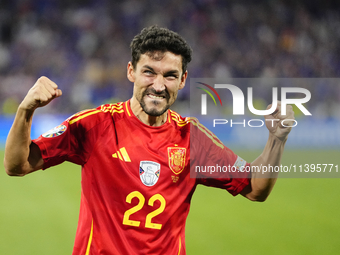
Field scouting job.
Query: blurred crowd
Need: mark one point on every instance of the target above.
(83, 45)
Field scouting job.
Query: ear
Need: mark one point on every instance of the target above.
(130, 72)
(183, 79)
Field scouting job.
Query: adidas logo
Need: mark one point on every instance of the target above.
(122, 155)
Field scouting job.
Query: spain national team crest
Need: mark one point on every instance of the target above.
(149, 172)
(54, 132)
(176, 157)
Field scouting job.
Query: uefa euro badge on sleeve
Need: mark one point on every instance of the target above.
(240, 164)
(54, 132)
(149, 172)
(176, 157)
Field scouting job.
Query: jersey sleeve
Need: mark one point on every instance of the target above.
(73, 140)
(213, 164)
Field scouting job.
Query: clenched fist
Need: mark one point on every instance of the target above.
(43, 92)
(278, 124)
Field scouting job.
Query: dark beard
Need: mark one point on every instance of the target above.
(154, 112)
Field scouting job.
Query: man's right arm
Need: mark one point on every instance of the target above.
(21, 155)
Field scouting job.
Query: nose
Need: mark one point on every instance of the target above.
(158, 83)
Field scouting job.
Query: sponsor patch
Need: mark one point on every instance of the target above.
(54, 132)
(149, 172)
(240, 164)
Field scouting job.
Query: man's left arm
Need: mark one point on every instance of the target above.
(262, 182)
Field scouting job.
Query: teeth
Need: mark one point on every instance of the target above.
(155, 97)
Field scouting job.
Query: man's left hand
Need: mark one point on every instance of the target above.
(280, 125)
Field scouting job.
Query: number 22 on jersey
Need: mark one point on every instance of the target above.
(139, 206)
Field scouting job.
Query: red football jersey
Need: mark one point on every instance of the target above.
(136, 184)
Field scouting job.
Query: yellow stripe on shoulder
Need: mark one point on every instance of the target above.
(113, 108)
(207, 132)
(175, 114)
(82, 115)
(180, 123)
(178, 119)
(110, 107)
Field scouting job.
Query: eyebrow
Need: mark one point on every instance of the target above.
(167, 73)
(148, 67)
(172, 72)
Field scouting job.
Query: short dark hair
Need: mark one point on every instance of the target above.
(155, 38)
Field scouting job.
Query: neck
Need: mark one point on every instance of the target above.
(154, 121)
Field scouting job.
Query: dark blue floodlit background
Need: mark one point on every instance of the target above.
(83, 46)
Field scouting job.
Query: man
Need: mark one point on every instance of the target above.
(135, 155)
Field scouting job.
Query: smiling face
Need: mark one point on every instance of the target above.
(157, 77)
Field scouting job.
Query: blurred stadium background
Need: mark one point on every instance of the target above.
(84, 47)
